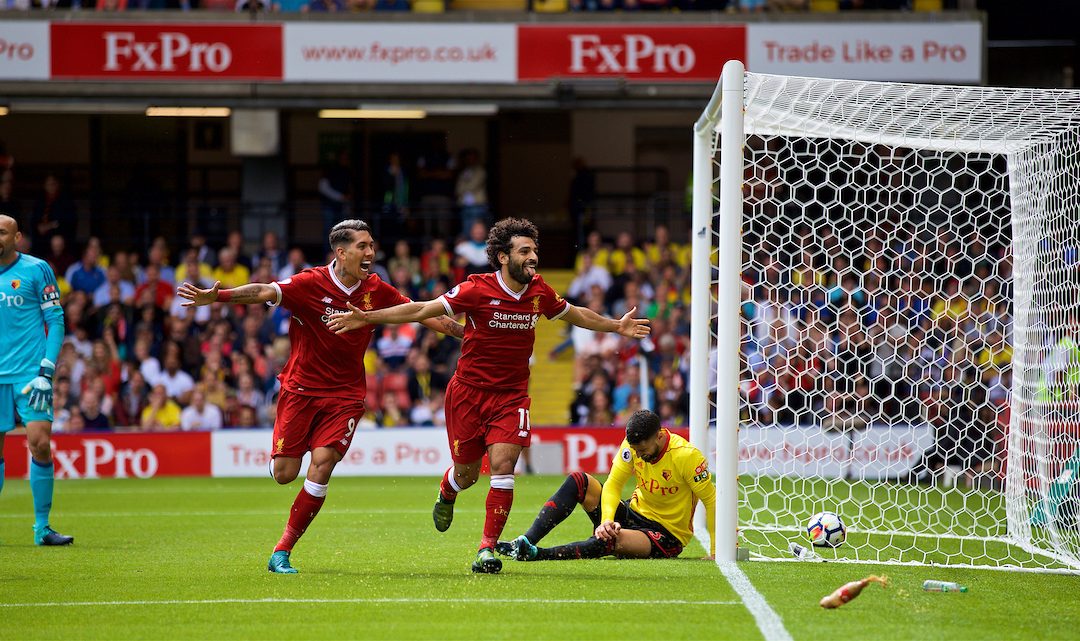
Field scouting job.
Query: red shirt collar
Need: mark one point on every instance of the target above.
(666, 445)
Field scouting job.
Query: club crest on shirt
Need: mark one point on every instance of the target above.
(365, 303)
(536, 304)
(666, 474)
(15, 283)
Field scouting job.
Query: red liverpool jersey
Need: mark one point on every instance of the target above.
(322, 363)
(500, 327)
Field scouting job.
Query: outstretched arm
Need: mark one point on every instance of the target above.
(242, 295)
(627, 326)
(356, 318)
(446, 325)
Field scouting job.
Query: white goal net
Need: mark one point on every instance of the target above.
(894, 273)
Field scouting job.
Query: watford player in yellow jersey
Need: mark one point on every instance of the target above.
(656, 522)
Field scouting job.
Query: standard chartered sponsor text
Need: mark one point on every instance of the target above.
(392, 54)
(500, 320)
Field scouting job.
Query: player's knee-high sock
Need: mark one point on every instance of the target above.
(307, 504)
(590, 548)
(41, 487)
(499, 499)
(449, 487)
(559, 506)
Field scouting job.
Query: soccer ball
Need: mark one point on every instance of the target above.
(826, 530)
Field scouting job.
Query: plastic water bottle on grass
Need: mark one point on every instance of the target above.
(943, 586)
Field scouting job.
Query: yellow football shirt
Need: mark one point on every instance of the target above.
(667, 491)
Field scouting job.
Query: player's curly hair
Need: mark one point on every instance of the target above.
(499, 238)
(341, 233)
(642, 426)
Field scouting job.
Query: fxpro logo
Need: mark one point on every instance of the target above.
(634, 54)
(99, 458)
(653, 486)
(171, 51)
(15, 50)
(11, 300)
(584, 453)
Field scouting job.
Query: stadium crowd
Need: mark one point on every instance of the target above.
(898, 327)
(136, 359)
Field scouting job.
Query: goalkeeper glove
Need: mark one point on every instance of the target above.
(40, 388)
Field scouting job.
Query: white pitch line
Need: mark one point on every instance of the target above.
(377, 600)
(768, 621)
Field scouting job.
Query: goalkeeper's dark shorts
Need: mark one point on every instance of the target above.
(664, 543)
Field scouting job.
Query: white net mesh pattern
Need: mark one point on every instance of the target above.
(911, 320)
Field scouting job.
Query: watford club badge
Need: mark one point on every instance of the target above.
(15, 283)
(667, 475)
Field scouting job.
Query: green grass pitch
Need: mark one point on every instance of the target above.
(186, 559)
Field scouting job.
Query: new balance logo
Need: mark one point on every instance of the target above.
(495, 301)
(326, 299)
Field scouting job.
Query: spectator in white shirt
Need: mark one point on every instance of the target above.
(591, 275)
(296, 263)
(178, 383)
(149, 367)
(471, 254)
(103, 294)
(200, 415)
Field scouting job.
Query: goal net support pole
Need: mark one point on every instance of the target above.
(727, 103)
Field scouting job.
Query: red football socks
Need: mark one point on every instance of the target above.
(303, 512)
(446, 489)
(498, 509)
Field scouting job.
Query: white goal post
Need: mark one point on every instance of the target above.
(886, 281)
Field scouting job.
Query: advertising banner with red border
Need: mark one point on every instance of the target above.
(887, 51)
(587, 449)
(91, 456)
(24, 50)
(873, 453)
(631, 51)
(400, 53)
(395, 452)
(169, 51)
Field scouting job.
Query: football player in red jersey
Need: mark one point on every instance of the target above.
(487, 400)
(323, 384)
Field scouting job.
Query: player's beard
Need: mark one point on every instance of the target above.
(518, 273)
